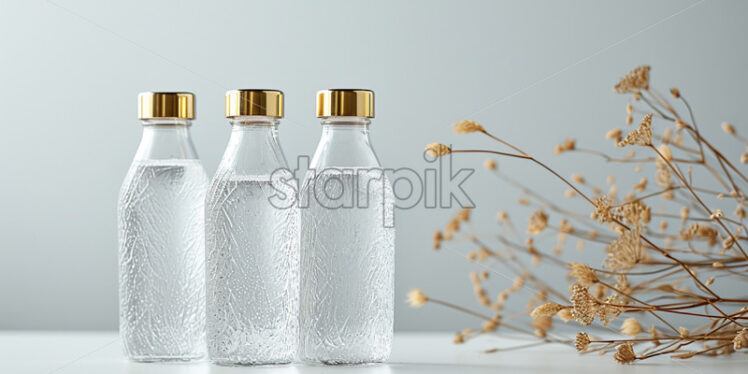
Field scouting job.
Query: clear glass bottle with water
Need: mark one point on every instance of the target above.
(161, 237)
(252, 228)
(347, 239)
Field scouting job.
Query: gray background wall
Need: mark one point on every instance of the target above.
(534, 72)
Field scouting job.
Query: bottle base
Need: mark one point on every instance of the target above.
(166, 359)
(232, 362)
(345, 362)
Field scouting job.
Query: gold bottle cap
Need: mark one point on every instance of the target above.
(345, 103)
(254, 103)
(166, 105)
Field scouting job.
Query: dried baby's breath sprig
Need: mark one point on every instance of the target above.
(636, 80)
(438, 150)
(603, 209)
(625, 252)
(466, 127)
(641, 136)
(659, 269)
(625, 353)
(582, 341)
(417, 299)
(584, 305)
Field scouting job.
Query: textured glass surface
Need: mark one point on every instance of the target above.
(347, 285)
(253, 273)
(161, 258)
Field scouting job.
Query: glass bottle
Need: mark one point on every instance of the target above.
(161, 236)
(347, 243)
(252, 228)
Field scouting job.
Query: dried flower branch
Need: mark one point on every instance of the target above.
(661, 272)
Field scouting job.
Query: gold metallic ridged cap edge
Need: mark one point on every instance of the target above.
(153, 105)
(254, 102)
(345, 103)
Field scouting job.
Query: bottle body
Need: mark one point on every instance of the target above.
(347, 251)
(161, 251)
(252, 253)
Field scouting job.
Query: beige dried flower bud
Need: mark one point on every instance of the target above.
(583, 273)
(611, 179)
(739, 211)
(489, 164)
(538, 222)
(744, 158)
(741, 340)
(684, 212)
(566, 145)
(416, 298)
(728, 243)
(564, 315)
(502, 216)
(577, 178)
(459, 339)
(718, 265)
(546, 310)
(438, 150)
(569, 193)
(709, 281)
(629, 120)
(625, 353)
(466, 127)
(463, 215)
(523, 201)
(665, 152)
(492, 324)
(631, 327)
(683, 332)
(438, 236)
(614, 134)
(728, 128)
(629, 108)
(717, 214)
(582, 341)
(675, 92)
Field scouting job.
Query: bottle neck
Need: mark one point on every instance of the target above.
(253, 147)
(344, 144)
(167, 138)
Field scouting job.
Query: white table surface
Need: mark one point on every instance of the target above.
(101, 353)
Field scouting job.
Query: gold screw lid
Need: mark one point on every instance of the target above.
(345, 103)
(166, 105)
(254, 103)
